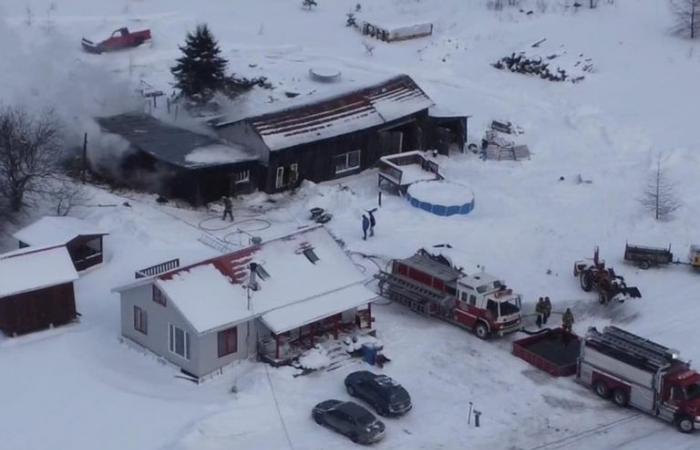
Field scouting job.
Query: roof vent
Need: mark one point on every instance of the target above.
(324, 74)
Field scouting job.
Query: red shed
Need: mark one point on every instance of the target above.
(82, 239)
(36, 289)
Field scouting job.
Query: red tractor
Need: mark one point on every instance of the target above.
(605, 281)
(120, 39)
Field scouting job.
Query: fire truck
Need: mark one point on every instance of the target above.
(640, 373)
(431, 285)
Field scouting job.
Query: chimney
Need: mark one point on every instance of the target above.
(252, 278)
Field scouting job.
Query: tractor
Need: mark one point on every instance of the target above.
(608, 284)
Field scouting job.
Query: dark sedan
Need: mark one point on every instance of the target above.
(384, 394)
(349, 419)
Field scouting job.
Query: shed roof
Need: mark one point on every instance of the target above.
(174, 145)
(54, 230)
(30, 269)
(210, 294)
(356, 110)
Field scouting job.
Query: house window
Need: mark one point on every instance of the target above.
(346, 162)
(241, 177)
(228, 341)
(158, 296)
(179, 341)
(293, 173)
(140, 320)
(279, 178)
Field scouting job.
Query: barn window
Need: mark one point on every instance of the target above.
(345, 162)
(228, 341)
(159, 297)
(140, 320)
(179, 341)
(241, 177)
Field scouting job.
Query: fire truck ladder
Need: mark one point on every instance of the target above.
(416, 297)
(651, 353)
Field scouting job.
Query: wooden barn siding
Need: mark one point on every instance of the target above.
(37, 310)
(316, 159)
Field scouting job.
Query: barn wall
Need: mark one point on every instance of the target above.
(159, 318)
(37, 310)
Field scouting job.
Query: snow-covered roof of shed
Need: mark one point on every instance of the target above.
(324, 118)
(210, 293)
(174, 145)
(54, 230)
(30, 269)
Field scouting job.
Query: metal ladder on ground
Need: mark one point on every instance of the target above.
(655, 354)
(410, 294)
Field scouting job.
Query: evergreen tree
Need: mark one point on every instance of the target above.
(200, 72)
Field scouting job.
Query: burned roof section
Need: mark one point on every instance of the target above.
(174, 145)
(356, 110)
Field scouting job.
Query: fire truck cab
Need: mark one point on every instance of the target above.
(483, 296)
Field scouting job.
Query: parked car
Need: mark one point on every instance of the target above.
(349, 419)
(385, 395)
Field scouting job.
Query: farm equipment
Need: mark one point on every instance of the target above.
(431, 285)
(605, 281)
(646, 257)
(694, 256)
(637, 372)
(119, 40)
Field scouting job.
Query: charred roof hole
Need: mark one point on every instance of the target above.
(257, 271)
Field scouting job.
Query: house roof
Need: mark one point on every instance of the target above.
(212, 294)
(356, 110)
(53, 230)
(30, 269)
(174, 145)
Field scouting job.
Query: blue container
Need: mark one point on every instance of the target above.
(369, 353)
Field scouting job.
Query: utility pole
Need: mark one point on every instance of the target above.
(84, 169)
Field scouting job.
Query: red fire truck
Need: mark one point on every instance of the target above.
(640, 373)
(431, 285)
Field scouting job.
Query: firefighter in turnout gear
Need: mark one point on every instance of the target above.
(540, 310)
(547, 310)
(228, 208)
(567, 321)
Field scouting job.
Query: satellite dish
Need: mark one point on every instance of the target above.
(324, 74)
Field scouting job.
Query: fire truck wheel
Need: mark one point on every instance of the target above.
(601, 389)
(684, 424)
(481, 330)
(586, 281)
(620, 397)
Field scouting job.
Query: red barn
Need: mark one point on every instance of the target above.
(36, 289)
(82, 239)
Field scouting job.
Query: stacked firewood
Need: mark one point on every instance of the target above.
(537, 66)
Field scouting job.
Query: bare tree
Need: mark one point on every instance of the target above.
(687, 14)
(660, 196)
(67, 194)
(30, 149)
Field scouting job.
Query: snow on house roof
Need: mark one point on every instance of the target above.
(305, 312)
(52, 230)
(174, 145)
(206, 297)
(30, 269)
(355, 110)
(211, 295)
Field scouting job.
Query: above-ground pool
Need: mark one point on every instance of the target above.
(442, 198)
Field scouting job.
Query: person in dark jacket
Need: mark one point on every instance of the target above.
(365, 226)
(567, 321)
(372, 221)
(228, 208)
(539, 309)
(547, 310)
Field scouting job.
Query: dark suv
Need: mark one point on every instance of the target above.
(350, 419)
(386, 396)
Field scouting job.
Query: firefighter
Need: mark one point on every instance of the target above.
(228, 208)
(539, 309)
(547, 310)
(372, 221)
(567, 321)
(365, 227)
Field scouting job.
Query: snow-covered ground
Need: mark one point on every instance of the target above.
(79, 387)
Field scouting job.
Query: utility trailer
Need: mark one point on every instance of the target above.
(553, 351)
(634, 371)
(646, 257)
(431, 285)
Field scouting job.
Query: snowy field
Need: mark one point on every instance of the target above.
(79, 387)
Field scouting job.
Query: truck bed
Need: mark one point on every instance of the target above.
(554, 351)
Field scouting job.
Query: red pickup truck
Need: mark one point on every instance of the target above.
(120, 39)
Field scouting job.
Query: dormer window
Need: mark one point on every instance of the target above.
(158, 296)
